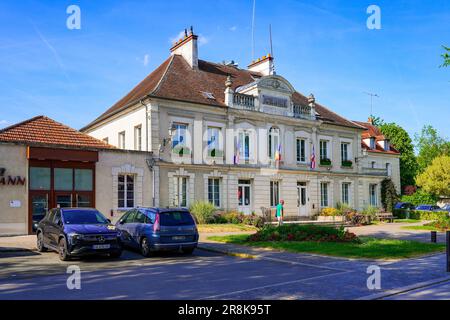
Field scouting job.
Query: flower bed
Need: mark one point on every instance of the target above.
(304, 233)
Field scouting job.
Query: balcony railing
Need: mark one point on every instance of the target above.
(303, 112)
(379, 172)
(243, 100)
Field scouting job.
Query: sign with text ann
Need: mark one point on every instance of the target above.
(8, 180)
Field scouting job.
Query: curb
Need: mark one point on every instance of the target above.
(229, 253)
(394, 292)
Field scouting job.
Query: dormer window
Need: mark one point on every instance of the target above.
(387, 145)
(372, 143)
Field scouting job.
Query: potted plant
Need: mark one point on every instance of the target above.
(330, 215)
(347, 163)
(181, 151)
(325, 162)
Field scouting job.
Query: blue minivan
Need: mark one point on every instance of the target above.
(154, 229)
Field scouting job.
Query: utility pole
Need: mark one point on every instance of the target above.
(371, 100)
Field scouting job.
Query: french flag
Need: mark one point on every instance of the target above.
(313, 158)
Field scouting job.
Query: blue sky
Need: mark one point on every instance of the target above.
(321, 47)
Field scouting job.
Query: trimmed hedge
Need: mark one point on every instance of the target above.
(293, 232)
(420, 215)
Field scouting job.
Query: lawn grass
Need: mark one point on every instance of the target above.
(370, 248)
(406, 220)
(425, 228)
(224, 227)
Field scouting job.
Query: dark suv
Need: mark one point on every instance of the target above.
(77, 232)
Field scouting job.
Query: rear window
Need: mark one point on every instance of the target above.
(176, 218)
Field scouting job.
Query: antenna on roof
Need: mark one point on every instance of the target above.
(253, 30)
(371, 100)
(271, 49)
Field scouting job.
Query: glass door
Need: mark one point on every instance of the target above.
(63, 200)
(244, 197)
(302, 199)
(83, 200)
(38, 208)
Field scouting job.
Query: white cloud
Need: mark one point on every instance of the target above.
(3, 123)
(146, 59)
(233, 28)
(202, 40)
(179, 36)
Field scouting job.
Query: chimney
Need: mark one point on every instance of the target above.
(370, 120)
(187, 47)
(263, 65)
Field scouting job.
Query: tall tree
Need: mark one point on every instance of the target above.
(436, 178)
(446, 56)
(429, 146)
(403, 143)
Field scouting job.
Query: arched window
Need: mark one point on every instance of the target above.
(274, 143)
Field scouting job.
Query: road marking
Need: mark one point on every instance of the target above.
(398, 291)
(274, 285)
(300, 263)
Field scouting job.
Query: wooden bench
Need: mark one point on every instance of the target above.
(385, 216)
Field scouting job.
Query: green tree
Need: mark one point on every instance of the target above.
(403, 143)
(389, 196)
(420, 197)
(429, 146)
(377, 121)
(446, 56)
(436, 178)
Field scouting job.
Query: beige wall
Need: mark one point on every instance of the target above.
(14, 221)
(110, 165)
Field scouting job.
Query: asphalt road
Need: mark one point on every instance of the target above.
(204, 275)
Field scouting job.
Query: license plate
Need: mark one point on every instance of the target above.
(101, 246)
(179, 238)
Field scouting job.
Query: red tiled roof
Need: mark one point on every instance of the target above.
(174, 79)
(374, 132)
(45, 131)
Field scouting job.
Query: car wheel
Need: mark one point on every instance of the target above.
(62, 250)
(40, 243)
(145, 248)
(188, 250)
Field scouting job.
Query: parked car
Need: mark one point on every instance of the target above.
(404, 205)
(428, 207)
(446, 207)
(77, 232)
(152, 229)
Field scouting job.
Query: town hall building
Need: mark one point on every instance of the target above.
(245, 138)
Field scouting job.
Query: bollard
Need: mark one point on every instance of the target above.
(448, 250)
(433, 236)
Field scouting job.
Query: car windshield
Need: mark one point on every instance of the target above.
(176, 218)
(84, 217)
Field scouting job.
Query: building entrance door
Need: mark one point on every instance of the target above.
(302, 199)
(38, 208)
(244, 196)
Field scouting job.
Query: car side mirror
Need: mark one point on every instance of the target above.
(121, 221)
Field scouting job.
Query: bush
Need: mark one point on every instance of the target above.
(442, 224)
(330, 212)
(420, 197)
(420, 215)
(293, 232)
(203, 212)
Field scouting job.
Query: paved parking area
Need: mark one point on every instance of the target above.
(206, 275)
